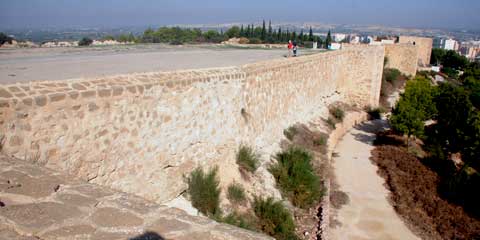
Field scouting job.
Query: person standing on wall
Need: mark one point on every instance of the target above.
(294, 48)
(290, 48)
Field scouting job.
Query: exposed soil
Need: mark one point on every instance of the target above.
(414, 194)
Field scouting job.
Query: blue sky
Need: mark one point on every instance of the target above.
(116, 13)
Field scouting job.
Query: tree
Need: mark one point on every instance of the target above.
(263, 34)
(279, 34)
(310, 35)
(242, 31)
(233, 32)
(85, 42)
(437, 56)
(5, 39)
(328, 41)
(414, 108)
(270, 30)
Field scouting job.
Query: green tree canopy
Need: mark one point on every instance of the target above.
(414, 108)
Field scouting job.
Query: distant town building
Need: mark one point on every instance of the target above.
(338, 37)
(450, 44)
(470, 50)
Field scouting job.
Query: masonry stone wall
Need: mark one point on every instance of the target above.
(142, 133)
(402, 57)
(424, 48)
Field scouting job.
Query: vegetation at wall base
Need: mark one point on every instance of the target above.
(245, 221)
(331, 122)
(296, 178)
(391, 74)
(337, 113)
(375, 113)
(204, 191)
(274, 219)
(248, 159)
(290, 132)
(320, 141)
(236, 194)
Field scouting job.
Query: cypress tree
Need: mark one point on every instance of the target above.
(328, 41)
(310, 35)
(264, 31)
(270, 29)
(242, 32)
(279, 34)
(300, 37)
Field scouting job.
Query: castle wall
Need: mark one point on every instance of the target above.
(142, 133)
(424, 48)
(402, 57)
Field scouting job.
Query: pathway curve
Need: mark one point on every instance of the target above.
(368, 214)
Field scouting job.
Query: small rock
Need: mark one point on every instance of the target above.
(2, 204)
(56, 188)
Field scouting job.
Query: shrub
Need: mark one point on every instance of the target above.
(331, 122)
(236, 193)
(321, 141)
(85, 42)
(338, 113)
(204, 191)
(290, 132)
(296, 178)
(247, 159)
(375, 113)
(391, 74)
(246, 221)
(274, 219)
(254, 41)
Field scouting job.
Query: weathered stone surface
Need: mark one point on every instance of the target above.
(112, 217)
(66, 214)
(70, 232)
(35, 217)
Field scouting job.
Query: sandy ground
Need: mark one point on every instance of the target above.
(20, 65)
(368, 215)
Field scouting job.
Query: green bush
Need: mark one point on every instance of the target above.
(391, 74)
(290, 133)
(296, 178)
(204, 191)
(321, 141)
(274, 219)
(248, 159)
(375, 113)
(331, 123)
(246, 221)
(85, 42)
(236, 193)
(337, 113)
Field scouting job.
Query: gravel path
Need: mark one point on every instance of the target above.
(368, 214)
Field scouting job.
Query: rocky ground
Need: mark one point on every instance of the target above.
(37, 203)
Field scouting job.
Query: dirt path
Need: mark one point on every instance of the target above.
(367, 215)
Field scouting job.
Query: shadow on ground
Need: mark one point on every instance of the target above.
(148, 236)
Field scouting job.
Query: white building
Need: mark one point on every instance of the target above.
(338, 37)
(450, 44)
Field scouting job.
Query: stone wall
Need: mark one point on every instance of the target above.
(142, 133)
(402, 57)
(424, 48)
